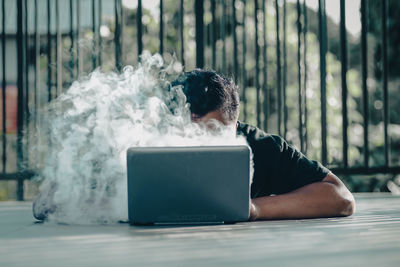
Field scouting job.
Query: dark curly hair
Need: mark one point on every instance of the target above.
(207, 91)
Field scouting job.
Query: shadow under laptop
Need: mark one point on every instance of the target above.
(176, 225)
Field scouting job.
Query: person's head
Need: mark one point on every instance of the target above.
(210, 95)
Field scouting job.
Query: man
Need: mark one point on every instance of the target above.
(286, 184)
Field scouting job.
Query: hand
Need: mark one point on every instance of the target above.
(253, 211)
(43, 205)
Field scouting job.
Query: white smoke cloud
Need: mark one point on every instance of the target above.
(87, 130)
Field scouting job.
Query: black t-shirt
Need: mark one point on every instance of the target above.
(278, 167)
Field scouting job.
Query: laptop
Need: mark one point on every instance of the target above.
(188, 185)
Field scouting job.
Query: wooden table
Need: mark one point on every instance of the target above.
(371, 237)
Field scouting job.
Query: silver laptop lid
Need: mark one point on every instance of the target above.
(207, 184)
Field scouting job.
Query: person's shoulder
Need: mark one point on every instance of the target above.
(256, 135)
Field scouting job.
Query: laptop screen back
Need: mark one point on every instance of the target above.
(188, 184)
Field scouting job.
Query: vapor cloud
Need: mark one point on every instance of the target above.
(85, 133)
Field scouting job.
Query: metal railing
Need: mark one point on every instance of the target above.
(232, 18)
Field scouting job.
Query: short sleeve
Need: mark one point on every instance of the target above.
(294, 169)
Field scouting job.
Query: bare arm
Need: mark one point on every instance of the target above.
(328, 198)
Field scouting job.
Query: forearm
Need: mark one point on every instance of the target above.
(321, 199)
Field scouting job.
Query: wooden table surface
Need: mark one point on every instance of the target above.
(371, 237)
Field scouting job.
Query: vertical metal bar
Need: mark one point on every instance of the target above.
(235, 45)
(265, 65)
(285, 108)
(222, 34)
(257, 51)
(244, 78)
(71, 36)
(4, 85)
(322, 54)
(99, 41)
(364, 72)
(58, 51)
(386, 118)
(94, 48)
(181, 16)
(21, 58)
(122, 20)
(161, 28)
(26, 36)
(213, 35)
(26, 80)
(117, 36)
(343, 59)
(79, 64)
(305, 67)
(49, 52)
(139, 28)
(37, 63)
(206, 39)
(199, 11)
(299, 75)
(278, 69)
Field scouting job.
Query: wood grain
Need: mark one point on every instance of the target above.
(371, 237)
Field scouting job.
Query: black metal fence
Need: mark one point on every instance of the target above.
(225, 35)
